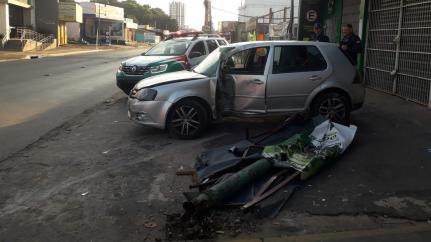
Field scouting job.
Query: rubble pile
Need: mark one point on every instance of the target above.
(258, 174)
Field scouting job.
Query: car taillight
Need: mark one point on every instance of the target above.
(184, 60)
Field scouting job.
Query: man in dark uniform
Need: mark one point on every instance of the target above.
(319, 36)
(351, 43)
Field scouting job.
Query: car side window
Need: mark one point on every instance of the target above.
(248, 62)
(290, 58)
(212, 45)
(199, 47)
(221, 42)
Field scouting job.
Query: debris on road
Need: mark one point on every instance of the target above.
(150, 225)
(262, 175)
(106, 152)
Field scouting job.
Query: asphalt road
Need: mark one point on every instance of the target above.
(40, 94)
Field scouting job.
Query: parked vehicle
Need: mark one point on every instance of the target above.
(179, 52)
(239, 80)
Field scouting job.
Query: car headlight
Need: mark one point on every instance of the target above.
(120, 68)
(159, 68)
(146, 94)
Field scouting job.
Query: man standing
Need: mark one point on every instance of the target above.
(319, 36)
(351, 43)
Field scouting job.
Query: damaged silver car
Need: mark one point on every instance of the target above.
(250, 79)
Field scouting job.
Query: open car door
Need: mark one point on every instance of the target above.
(243, 80)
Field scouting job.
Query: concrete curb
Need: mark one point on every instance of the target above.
(38, 56)
(355, 235)
(74, 53)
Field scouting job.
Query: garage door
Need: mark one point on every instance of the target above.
(398, 51)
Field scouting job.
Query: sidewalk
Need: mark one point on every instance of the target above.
(69, 49)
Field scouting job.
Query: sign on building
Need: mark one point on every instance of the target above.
(310, 11)
(104, 11)
(278, 30)
(69, 12)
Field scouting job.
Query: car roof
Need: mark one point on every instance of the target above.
(198, 38)
(281, 42)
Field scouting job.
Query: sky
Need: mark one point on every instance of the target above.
(194, 10)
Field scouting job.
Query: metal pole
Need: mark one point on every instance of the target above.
(397, 54)
(429, 105)
(292, 13)
(270, 16)
(98, 26)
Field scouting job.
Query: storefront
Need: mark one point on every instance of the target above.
(104, 23)
(130, 31)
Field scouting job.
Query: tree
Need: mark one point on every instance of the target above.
(144, 14)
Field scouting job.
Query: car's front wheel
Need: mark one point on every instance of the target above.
(332, 105)
(187, 119)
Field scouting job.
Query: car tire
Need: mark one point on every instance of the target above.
(333, 105)
(187, 119)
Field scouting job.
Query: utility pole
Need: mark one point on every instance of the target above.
(284, 14)
(98, 27)
(208, 17)
(270, 15)
(292, 12)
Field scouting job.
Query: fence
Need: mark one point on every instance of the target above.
(398, 51)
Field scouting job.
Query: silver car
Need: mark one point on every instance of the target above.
(250, 79)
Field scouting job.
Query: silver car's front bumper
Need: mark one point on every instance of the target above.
(149, 113)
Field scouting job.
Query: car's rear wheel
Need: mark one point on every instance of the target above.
(333, 105)
(187, 119)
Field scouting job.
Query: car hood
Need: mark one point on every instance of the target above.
(145, 60)
(167, 78)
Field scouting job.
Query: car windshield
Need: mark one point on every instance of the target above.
(170, 47)
(209, 65)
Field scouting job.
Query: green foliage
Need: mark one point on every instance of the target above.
(144, 14)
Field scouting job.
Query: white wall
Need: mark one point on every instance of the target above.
(73, 31)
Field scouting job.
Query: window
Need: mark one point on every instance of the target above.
(289, 59)
(199, 47)
(248, 62)
(212, 45)
(221, 42)
(170, 47)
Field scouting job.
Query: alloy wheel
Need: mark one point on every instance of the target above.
(333, 108)
(186, 120)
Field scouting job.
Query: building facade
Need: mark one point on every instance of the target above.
(106, 24)
(37, 20)
(16, 14)
(103, 23)
(177, 12)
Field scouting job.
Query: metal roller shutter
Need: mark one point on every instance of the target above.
(398, 51)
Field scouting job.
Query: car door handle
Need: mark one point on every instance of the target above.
(257, 82)
(315, 78)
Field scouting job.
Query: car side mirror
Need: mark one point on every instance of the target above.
(195, 54)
